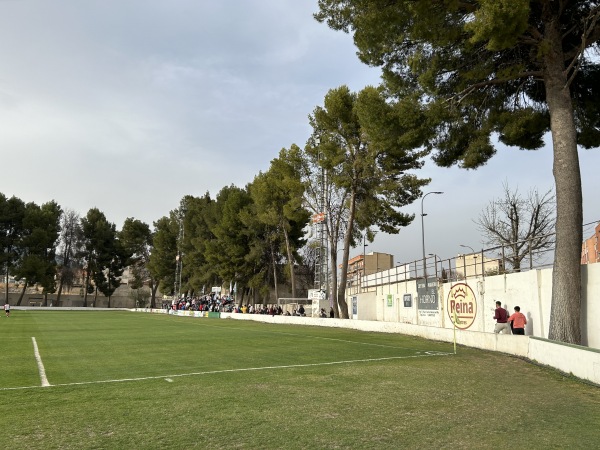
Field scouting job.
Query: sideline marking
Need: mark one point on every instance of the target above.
(40, 364)
(247, 369)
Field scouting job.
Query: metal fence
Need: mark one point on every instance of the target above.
(479, 264)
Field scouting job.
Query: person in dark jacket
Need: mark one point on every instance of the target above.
(501, 316)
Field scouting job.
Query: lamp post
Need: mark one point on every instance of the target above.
(364, 261)
(423, 233)
(474, 256)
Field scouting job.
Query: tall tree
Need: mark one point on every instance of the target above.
(513, 67)
(277, 196)
(198, 220)
(37, 248)
(112, 259)
(523, 226)
(12, 212)
(136, 239)
(366, 150)
(328, 201)
(103, 254)
(227, 253)
(161, 264)
(70, 248)
(264, 260)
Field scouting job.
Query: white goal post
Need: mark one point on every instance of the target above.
(312, 306)
(289, 304)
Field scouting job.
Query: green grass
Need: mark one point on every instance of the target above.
(130, 380)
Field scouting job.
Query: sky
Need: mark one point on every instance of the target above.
(129, 106)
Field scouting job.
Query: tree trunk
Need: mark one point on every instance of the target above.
(290, 261)
(275, 281)
(153, 289)
(341, 295)
(22, 294)
(334, 279)
(6, 285)
(59, 292)
(85, 289)
(565, 314)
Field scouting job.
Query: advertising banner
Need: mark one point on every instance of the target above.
(427, 292)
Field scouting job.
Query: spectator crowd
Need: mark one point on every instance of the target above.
(216, 303)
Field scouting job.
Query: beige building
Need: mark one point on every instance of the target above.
(364, 265)
(470, 265)
(590, 251)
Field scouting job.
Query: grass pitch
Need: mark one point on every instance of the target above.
(131, 380)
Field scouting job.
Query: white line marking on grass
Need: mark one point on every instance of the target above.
(247, 369)
(40, 364)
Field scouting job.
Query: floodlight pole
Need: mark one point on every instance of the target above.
(423, 233)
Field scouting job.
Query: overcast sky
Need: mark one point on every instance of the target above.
(128, 106)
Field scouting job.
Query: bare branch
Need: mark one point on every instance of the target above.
(520, 225)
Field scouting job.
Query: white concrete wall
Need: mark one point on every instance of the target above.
(531, 291)
(366, 307)
(590, 305)
(518, 289)
(572, 359)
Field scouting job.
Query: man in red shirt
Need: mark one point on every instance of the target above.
(518, 321)
(501, 316)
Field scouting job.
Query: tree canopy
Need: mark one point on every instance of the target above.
(367, 148)
(37, 248)
(277, 196)
(103, 254)
(511, 68)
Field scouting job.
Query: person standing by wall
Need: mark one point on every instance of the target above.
(7, 309)
(501, 317)
(518, 321)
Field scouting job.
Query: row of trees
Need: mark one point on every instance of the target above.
(47, 247)
(245, 236)
(355, 168)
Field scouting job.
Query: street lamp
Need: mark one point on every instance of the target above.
(365, 245)
(474, 256)
(423, 232)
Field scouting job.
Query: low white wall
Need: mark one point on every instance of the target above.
(580, 361)
(65, 308)
(530, 290)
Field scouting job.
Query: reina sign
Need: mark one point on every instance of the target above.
(461, 306)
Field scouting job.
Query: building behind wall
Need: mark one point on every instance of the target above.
(470, 265)
(364, 265)
(589, 248)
